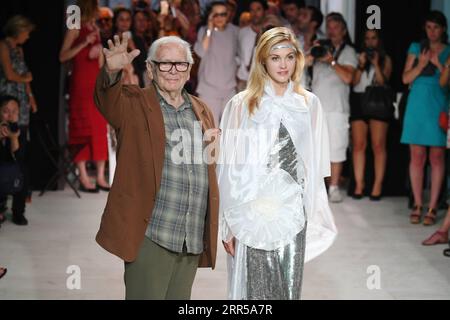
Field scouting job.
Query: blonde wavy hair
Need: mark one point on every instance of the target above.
(258, 73)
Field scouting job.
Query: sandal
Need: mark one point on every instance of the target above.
(430, 217)
(3, 272)
(438, 237)
(416, 214)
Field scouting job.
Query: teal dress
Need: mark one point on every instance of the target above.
(426, 101)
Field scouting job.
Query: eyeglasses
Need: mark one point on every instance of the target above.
(220, 14)
(165, 66)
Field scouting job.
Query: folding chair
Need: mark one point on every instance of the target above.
(63, 161)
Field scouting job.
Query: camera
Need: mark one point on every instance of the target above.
(322, 49)
(12, 126)
(370, 52)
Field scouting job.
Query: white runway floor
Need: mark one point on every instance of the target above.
(372, 237)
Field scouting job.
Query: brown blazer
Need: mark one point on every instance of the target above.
(136, 115)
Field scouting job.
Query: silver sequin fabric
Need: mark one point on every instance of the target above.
(277, 274)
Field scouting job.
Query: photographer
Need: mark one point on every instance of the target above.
(334, 65)
(10, 153)
(374, 68)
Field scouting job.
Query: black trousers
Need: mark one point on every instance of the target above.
(22, 157)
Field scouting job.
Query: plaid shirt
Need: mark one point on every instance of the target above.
(180, 207)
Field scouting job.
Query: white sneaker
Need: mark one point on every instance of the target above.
(334, 194)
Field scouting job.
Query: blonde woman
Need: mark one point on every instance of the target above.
(273, 158)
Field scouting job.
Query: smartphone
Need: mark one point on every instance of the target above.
(164, 7)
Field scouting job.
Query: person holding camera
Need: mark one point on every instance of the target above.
(334, 65)
(426, 101)
(374, 68)
(12, 159)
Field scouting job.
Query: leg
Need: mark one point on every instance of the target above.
(180, 285)
(336, 171)
(359, 139)
(101, 180)
(149, 275)
(378, 132)
(84, 177)
(417, 162)
(100, 155)
(437, 156)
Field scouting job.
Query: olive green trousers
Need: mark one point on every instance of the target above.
(158, 274)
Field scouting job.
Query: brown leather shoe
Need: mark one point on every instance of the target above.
(430, 217)
(416, 214)
(438, 237)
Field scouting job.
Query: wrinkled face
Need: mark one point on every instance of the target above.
(123, 22)
(220, 16)
(280, 64)
(335, 31)
(256, 13)
(10, 112)
(141, 22)
(371, 39)
(22, 37)
(173, 80)
(291, 12)
(434, 31)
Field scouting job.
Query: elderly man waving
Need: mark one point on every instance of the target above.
(161, 213)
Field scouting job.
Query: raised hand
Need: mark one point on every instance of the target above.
(424, 58)
(117, 56)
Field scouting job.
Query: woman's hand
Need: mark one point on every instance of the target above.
(434, 59)
(230, 246)
(375, 59)
(33, 104)
(27, 77)
(91, 38)
(424, 59)
(95, 52)
(362, 60)
(117, 56)
(210, 21)
(4, 131)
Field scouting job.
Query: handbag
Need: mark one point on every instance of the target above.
(443, 121)
(378, 102)
(11, 178)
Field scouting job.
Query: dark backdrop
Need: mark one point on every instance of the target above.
(41, 55)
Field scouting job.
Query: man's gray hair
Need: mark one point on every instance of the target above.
(168, 40)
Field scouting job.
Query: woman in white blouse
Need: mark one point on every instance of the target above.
(273, 158)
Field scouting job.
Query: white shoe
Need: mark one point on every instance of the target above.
(334, 194)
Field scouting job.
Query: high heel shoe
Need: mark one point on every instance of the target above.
(103, 188)
(416, 214)
(438, 237)
(84, 189)
(430, 217)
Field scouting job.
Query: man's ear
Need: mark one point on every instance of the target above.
(150, 70)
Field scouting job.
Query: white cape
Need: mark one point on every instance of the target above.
(257, 207)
